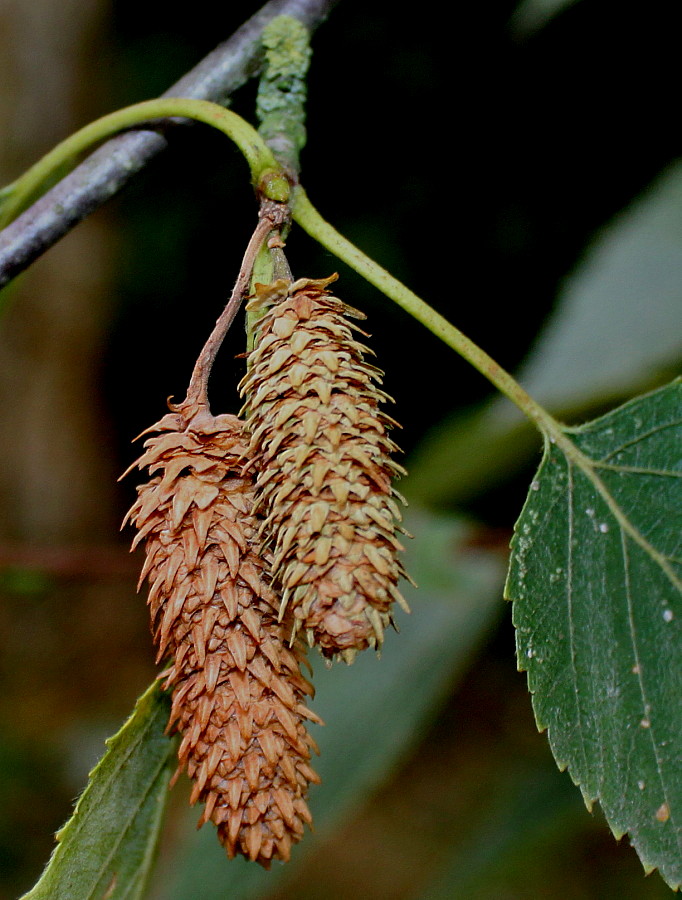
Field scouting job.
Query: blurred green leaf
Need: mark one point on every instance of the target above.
(24, 581)
(532, 840)
(532, 811)
(7, 294)
(595, 579)
(106, 848)
(617, 330)
(532, 15)
(375, 710)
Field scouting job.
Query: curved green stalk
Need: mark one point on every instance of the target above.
(305, 214)
(265, 170)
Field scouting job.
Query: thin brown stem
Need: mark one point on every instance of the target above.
(271, 218)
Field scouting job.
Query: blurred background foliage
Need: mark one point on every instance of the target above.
(518, 166)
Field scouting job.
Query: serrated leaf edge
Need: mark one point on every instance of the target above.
(559, 437)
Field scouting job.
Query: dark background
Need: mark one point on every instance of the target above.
(473, 160)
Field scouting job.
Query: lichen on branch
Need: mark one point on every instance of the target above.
(280, 105)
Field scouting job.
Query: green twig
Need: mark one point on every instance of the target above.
(265, 170)
(280, 109)
(305, 214)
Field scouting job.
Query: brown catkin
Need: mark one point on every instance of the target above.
(320, 446)
(238, 691)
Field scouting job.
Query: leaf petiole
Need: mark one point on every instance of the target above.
(305, 214)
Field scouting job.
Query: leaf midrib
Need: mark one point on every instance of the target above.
(125, 827)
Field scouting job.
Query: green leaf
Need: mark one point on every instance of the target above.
(595, 579)
(618, 322)
(615, 332)
(106, 849)
(375, 710)
(532, 15)
(532, 839)
(528, 818)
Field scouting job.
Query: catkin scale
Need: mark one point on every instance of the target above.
(320, 447)
(238, 690)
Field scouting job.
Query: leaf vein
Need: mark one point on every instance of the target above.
(641, 437)
(128, 822)
(569, 611)
(587, 465)
(636, 470)
(646, 706)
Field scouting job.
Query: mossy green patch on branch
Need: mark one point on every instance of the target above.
(282, 89)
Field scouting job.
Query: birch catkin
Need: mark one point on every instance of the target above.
(320, 446)
(238, 691)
